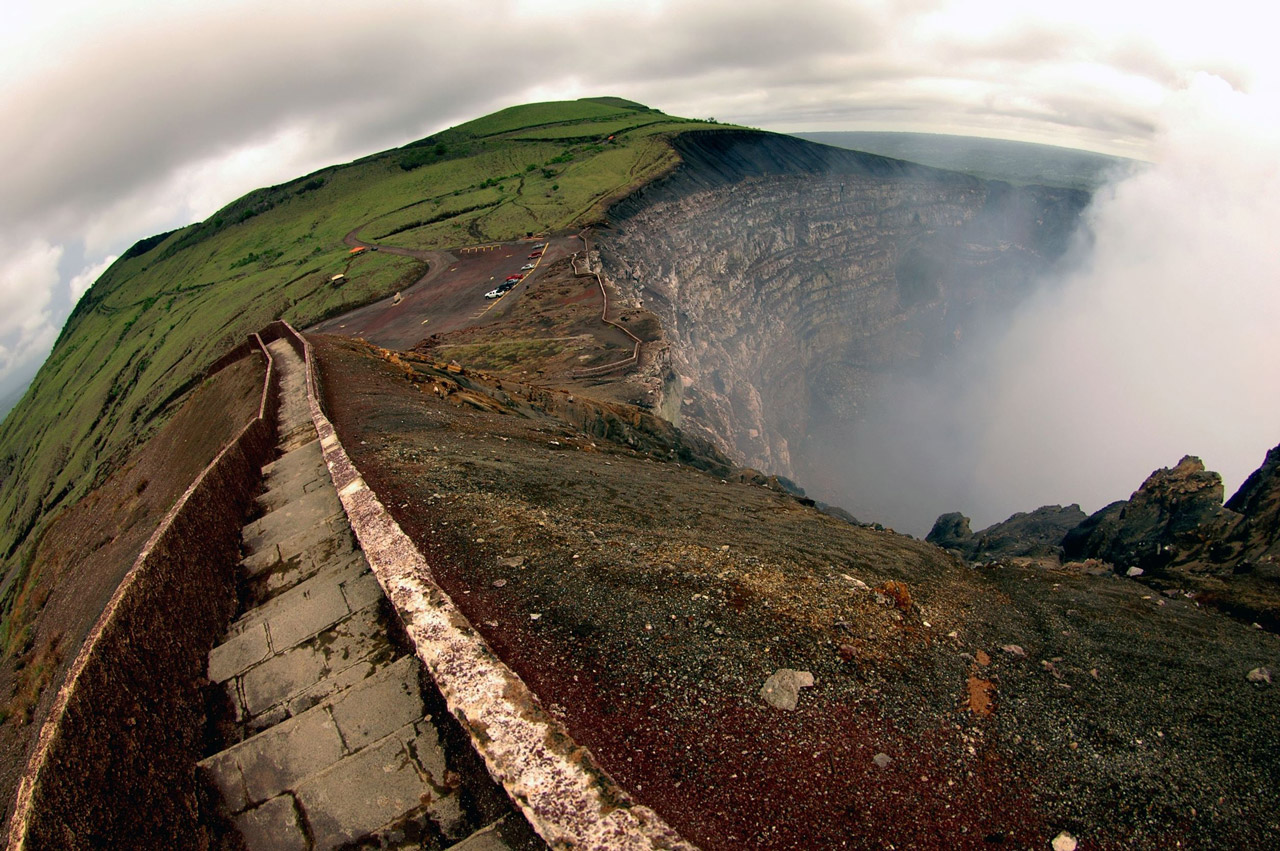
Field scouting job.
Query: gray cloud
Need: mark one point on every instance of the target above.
(1158, 342)
(136, 118)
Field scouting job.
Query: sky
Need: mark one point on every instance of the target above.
(125, 118)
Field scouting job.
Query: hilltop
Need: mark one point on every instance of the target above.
(141, 338)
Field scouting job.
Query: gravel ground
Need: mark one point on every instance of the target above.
(646, 601)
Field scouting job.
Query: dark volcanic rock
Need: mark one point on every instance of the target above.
(1258, 501)
(951, 532)
(1035, 533)
(1175, 520)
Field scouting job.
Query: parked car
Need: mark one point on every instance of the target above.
(535, 255)
(492, 294)
(527, 266)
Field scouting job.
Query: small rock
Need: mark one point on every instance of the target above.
(724, 548)
(782, 690)
(1259, 675)
(856, 583)
(846, 651)
(1014, 650)
(513, 561)
(882, 760)
(1133, 571)
(535, 615)
(498, 583)
(1064, 842)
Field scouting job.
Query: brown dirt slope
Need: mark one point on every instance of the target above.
(92, 545)
(646, 591)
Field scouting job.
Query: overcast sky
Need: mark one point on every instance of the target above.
(124, 118)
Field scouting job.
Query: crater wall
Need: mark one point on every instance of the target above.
(792, 279)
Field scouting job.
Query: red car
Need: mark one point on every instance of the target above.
(535, 254)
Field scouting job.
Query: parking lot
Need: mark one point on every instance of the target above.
(452, 295)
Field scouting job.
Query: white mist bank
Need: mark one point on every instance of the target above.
(1163, 340)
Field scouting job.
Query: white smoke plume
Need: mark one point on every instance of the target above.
(1163, 340)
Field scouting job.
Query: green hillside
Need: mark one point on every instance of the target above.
(139, 339)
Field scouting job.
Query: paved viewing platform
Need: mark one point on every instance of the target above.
(333, 734)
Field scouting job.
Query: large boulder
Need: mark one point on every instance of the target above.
(951, 532)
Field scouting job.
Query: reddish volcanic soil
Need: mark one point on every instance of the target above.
(91, 546)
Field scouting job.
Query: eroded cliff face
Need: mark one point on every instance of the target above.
(792, 278)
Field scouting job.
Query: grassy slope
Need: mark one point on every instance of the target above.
(143, 334)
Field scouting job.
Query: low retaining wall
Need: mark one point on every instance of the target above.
(115, 764)
(570, 801)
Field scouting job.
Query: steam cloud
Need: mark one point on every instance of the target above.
(1161, 341)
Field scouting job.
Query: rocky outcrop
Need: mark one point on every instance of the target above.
(1258, 503)
(1175, 520)
(1025, 534)
(790, 278)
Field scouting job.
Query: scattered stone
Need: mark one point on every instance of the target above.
(1014, 650)
(855, 582)
(782, 690)
(513, 561)
(980, 696)
(898, 592)
(1134, 571)
(1064, 842)
(882, 760)
(982, 658)
(1260, 675)
(498, 583)
(846, 651)
(535, 616)
(724, 548)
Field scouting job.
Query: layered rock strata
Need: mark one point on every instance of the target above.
(791, 278)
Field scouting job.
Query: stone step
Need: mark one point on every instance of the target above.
(332, 535)
(341, 576)
(280, 680)
(327, 740)
(300, 512)
(275, 760)
(365, 758)
(292, 617)
(304, 457)
(326, 556)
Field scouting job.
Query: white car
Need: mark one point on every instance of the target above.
(492, 294)
(526, 267)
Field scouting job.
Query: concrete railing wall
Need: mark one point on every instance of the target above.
(115, 763)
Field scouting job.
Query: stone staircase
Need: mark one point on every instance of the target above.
(331, 734)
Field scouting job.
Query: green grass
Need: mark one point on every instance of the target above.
(138, 341)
